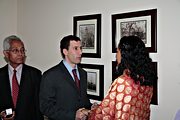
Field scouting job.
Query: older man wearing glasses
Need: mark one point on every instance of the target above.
(19, 84)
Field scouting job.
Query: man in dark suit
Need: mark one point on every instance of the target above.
(60, 97)
(19, 100)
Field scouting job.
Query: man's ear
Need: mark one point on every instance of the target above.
(6, 55)
(65, 52)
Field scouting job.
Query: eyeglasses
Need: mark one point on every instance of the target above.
(15, 51)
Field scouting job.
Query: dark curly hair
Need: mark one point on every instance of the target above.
(135, 58)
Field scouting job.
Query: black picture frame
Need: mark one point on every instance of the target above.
(95, 80)
(154, 100)
(88, 28)
(139, 23)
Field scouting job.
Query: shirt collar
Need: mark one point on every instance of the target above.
(68, 66)
(18, 68)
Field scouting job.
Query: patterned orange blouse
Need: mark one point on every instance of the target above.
(124, 101)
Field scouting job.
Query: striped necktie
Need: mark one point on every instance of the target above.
(15, 88)
(76, 78)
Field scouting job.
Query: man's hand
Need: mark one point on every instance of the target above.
(82, 114)
(6, 117)
(94, 106)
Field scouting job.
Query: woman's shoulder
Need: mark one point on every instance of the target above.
(123, 78)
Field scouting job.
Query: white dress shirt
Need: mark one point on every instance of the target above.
(18, 74)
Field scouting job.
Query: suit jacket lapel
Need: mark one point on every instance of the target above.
(7, 82)
(6, 85)
(23, 76)
(23, 83)
(82, 78)
(70, 80)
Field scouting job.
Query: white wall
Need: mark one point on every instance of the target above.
(8, 22)
(42, 24)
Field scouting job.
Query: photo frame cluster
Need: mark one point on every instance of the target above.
(88, 28)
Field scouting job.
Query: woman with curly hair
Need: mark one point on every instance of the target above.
(130, 94)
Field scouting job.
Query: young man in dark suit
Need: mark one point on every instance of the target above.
(63, 96)
(19, 84)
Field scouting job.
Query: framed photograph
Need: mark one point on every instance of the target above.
(155, 92)
(88, 29)
(140, 23)
(95, 80)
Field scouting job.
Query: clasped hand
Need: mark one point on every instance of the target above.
(82, 114)
(5, 117)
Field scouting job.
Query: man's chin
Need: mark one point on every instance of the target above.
(20, 62)
(78, 62)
